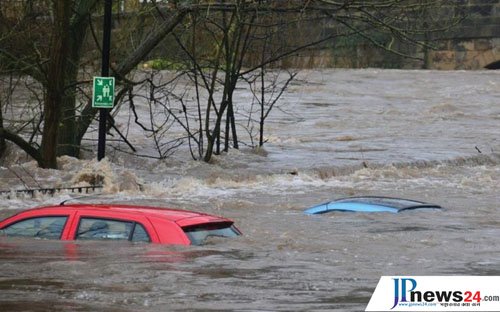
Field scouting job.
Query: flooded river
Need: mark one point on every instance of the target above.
(424, 135)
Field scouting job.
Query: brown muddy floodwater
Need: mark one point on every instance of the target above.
(425, 135)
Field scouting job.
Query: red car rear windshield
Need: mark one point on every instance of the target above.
(199, 233)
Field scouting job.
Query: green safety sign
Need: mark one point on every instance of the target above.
(103, 92)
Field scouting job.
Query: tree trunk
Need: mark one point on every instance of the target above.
(55, 83)
(68, 142)
(231, 132)
(211, 140)
(52, 109)
(3, 146)
(68, 135)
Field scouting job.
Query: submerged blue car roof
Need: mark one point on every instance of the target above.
(370, 204)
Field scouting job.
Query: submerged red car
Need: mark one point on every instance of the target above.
(117, 222)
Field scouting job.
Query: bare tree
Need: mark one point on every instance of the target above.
(46, 42)
(55, 41)
(230, 42)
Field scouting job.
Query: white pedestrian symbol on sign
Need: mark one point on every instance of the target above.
(105, 91)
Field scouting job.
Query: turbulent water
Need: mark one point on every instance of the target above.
(425, 135)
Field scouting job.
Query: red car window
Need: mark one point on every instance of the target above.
(108, 229)
(42, 227)
(140, 234)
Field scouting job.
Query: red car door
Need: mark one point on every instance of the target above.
(110, 217)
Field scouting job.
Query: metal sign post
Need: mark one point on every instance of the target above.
(104, 85)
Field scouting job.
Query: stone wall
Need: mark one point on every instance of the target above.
(474, 44)
(466, 54)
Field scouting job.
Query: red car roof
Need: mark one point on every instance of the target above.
(183, 217)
